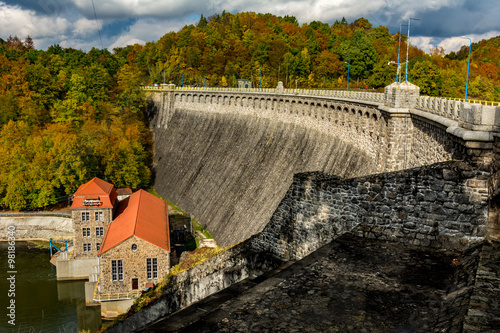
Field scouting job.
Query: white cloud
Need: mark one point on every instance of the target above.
(85, 26)
(423, 43)
(145, 30)
(304, 10)
(16, 21)
(139, 8)
(79, 44)
(455, 43)
(73, 23)
(450, 44)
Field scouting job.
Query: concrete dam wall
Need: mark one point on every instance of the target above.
(231, 171)
(229, 159)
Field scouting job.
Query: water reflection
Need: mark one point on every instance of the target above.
(89, 317)
(44, 304)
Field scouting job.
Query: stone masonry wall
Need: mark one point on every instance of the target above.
(37, 227)
(78, 226)
(245, 158)
(134, 265)
(430, 144)
(399, 141)
(439, 205)
(248, 146)
(188, 287)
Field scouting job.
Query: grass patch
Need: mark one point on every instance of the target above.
(196, 257)
(197, 226)
(44, 245)
(176, 208)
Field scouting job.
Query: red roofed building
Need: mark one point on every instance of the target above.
(93, 207)
(135, 252)
(122, 243)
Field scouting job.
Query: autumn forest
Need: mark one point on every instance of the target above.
(67, 115)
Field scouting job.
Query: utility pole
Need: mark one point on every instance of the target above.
(408, 45)
(399, 51)
(468, 65)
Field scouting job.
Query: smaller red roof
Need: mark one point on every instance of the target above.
(143, 215)
(94, 193)
(124, 191)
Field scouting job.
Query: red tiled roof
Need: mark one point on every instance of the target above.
(143, 215)
(95, 189)
(123, 191)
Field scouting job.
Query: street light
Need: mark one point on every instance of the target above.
(399, 51)
(468, 65)
(408, 45)
(398, 70)
(347, 75)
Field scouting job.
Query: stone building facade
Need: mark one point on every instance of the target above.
(93, 207)
(135, 253)
(139, 271)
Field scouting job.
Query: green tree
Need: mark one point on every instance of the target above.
(129, 95)
(425, 75)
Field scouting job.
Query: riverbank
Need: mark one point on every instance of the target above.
(32, 228)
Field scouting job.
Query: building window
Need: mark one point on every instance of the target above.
(152, 268)
(99, 231)
(87, 248)
(85, 216)
(98, 246)
(117, 270)
(86, 232)
(120, 270)
(155, 268)
(134, 247)
(114, 274)
(98, 216)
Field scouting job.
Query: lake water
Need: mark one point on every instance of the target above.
(43, 304)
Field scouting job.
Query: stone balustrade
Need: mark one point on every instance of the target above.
(439, 106)
(443, 107)
(355, 95)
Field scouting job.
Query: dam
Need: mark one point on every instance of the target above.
(228, 157)
(387, 200)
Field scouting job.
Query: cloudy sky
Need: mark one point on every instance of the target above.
(72, 23)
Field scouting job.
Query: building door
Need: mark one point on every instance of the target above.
(135, 284)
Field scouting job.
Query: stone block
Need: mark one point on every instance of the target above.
(479, 117)
(401, 96)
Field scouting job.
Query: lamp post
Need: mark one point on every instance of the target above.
(398, 70)
(408, 46)
(399, 51)
(468, 66)
(347, 75)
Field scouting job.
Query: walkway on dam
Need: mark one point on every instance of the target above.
(349, 285)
